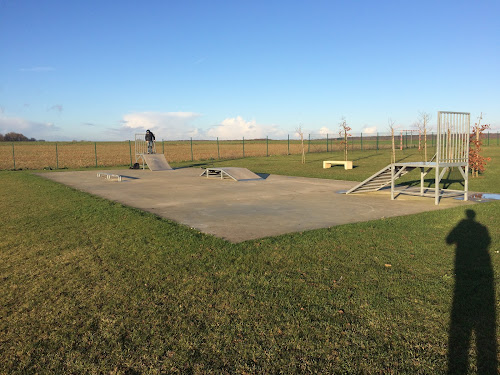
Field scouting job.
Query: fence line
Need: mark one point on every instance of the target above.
(55, 155)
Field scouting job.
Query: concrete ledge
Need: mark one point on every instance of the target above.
(110, 176)
(346, 163)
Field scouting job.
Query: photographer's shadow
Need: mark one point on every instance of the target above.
(473, 308)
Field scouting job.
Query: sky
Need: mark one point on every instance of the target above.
(106, 70)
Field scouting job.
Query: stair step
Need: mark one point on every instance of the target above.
(380, 179)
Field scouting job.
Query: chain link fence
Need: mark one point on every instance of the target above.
(58, 155)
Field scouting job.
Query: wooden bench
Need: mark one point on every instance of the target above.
(347, 164)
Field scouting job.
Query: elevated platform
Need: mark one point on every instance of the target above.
(233, 173)
(156, 162)
(388, 175)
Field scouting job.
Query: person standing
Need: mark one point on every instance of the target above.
(150, 138)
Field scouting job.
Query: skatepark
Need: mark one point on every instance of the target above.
(238, 205)
(249, 209)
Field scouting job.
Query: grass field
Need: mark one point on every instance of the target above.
(91, 286)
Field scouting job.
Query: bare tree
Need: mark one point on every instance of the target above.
(344, 132)
(477, 162)
(301, 135)
(423, 124)
(391, 128)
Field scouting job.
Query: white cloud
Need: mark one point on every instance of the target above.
(369, 129)
(31, 129)
(237, 127)
(165, 125)
(324, 131)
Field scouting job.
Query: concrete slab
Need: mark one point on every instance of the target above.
(254, 209)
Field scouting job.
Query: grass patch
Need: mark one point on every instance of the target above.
(366, 163)
(91, 286)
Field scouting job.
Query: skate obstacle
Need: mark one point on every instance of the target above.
(231, 173)
(154, 161)
(453, 129)
(110, 176)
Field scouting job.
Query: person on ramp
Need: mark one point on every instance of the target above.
(150, 138)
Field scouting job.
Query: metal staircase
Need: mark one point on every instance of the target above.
(380, 179)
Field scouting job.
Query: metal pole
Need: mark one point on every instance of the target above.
(309, 144)
(13, 156)
(130, 149)
(218, 152)
(267, 146)
(288, 152)
(192, 158)
(361, 141)
(162, 146)
(326, 142)
(243, 146)
(488, 138)
(57, 158)
(95, 153)
(377, 141)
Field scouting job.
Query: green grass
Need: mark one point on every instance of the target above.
(91, 286)
(366, 163)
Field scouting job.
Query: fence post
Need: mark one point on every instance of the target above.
(57, 158)
(361, 141)
(130, 151)
(218, 152)
(377, 141)
(162, 146)
(192, 158)
(267, 145)
(13, 155)
(288, 152)
(309, 144)
(326, 142)
(95, 153)
(243, 146)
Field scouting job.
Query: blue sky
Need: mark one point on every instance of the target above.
(105, 70)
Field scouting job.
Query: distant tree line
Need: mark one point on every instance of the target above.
(15, 137)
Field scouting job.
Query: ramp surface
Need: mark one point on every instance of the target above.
(235, 173)
(156, 162)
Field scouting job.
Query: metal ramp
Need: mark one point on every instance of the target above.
(380, 179)
(155, 162)
(233, 173)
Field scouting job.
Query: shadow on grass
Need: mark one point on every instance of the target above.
(473, 308)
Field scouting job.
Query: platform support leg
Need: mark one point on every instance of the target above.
(436, 186)
(466, 183)
(422, 175)
(393, 170)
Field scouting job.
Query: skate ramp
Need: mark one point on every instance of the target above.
(234, 173)
(157, 162)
